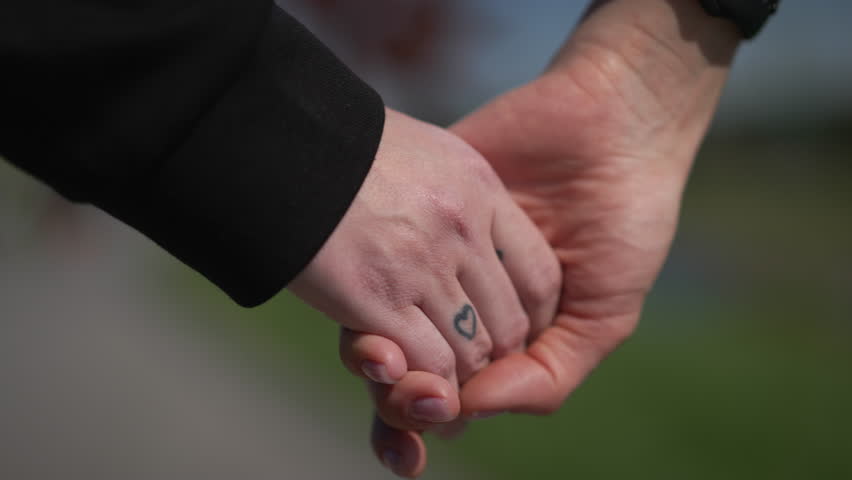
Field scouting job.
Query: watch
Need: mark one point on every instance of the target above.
(748, 15)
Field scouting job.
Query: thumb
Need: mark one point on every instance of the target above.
(539, 380)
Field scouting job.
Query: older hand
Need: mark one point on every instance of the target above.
(597, 152)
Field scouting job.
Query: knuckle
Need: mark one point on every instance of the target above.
(545, 284)
(475, 356)
(382, 282)
(443, 363)
(481, 170)
(514, 337)
(450, 211)
(480, 353)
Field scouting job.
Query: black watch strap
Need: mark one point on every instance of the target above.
(749, 15)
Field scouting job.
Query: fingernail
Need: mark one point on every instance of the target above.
(391, 458)
(376, 372)
(483, 415)
(432, 409)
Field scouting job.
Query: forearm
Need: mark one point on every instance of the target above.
(222, 130)
(666, 59)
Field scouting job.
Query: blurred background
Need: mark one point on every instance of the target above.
(118, 362)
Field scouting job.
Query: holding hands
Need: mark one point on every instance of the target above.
(483, 269)
(416, 260)
(597, 152)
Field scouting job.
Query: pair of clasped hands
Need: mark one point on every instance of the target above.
(489, 268)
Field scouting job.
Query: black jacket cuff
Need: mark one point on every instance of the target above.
(268, 172)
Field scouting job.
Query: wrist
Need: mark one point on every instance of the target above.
(666, 40)
(647, 25)
(665, 60)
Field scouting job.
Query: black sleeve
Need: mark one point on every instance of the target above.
(221, 129)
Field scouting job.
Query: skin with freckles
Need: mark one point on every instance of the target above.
(597, 152)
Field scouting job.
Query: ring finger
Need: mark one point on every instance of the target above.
(457, 318)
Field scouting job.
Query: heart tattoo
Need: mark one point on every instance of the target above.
(465, 322)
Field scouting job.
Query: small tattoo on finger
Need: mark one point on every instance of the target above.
(465, 322)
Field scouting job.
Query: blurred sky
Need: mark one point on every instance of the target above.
(798, 68)
(800, 64)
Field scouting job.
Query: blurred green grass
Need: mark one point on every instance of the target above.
(720, 400)
(740, 369)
